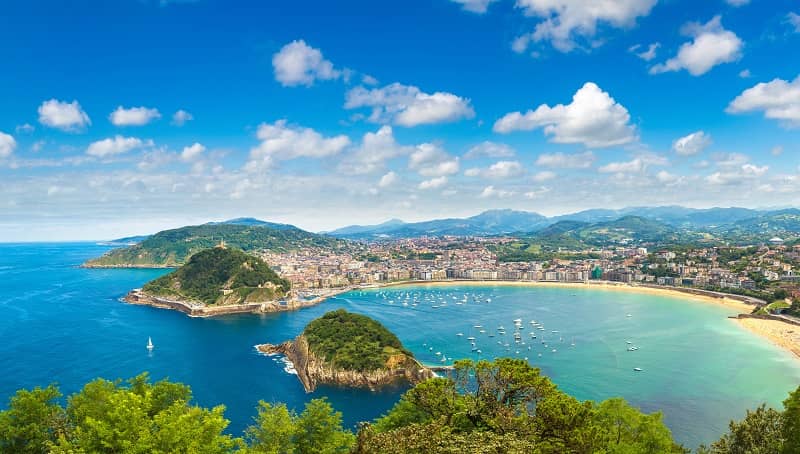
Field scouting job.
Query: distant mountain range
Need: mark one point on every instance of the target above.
(722, 221)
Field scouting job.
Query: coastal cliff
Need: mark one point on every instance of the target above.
(349, 350)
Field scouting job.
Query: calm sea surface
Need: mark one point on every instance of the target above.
(63, 324)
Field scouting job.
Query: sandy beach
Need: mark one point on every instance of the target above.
(782, 334)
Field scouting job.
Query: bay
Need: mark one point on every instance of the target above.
(61, 323)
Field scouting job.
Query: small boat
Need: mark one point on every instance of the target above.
(629, 315)
(460, 334)
(633, 349)
(637, 369)
(470, 338)
(150, 345)
(478, 326)
(628, 342)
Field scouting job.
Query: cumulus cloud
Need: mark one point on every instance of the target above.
(648, 54)
(566, 161)
(430, 160)
(711, 45)
(500, 169)
(744, 173)
(7, 145)
(135, 116)
(567, 23)
(388, 179)
(489, 149)
(474, 6)
(593, 118)
(375, 150)
(281, 141)
(545, 175)
(297, 63)
(778, 99)
(408, 106)
(433, 183)
(114, 146)
(192, 152)
(25, 128)
(66, 116)
(692, 144)
(181, 117)
(490, 192)
(632, 166)
(667, 178)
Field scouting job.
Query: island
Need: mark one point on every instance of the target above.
(219, 281)
(346, 349)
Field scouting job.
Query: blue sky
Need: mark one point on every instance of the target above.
(324, 114)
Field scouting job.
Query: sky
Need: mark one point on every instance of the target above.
(121, 117)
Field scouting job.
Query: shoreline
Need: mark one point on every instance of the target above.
(780, 333)
(140, 298)
(733, 302)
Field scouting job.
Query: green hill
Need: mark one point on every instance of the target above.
(171, 248)
(352, 341)
(220, 276)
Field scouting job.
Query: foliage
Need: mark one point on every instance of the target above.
(109, 417)
(174, 247)
(485, 406)
(318, 429)
(352, 341)
(210, 271)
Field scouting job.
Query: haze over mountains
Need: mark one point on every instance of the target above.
(498, 222)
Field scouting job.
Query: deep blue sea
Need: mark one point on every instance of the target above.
(63, 324)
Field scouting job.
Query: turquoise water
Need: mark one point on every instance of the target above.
(65, 324)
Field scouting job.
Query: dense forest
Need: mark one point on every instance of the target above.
(352, 341)
(208, 273)
(505, 406)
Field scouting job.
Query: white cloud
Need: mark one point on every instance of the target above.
(537, 193)
(746, 172)
(474, 6)
(737, 3)
(545, 175)
(408, 106)
(434, 183)
(500, 169)
(566, 161)
(388, 179)
(297, 63)
(692, 144)
(667, 178)
(180, 117)
(66, 116)
(778, 99)
(135, 116)
(745, 74)
(648, 54)
(26, 128)
(492, 192)
(7, 145)
(281, 141)
(430, 160)
(114, 146)
(490, 150)
(777, 150)
(794, 21)
(593, 118)
(632, 166)
(192, 152)
(375, 150)
(711, 45)
(566, 22)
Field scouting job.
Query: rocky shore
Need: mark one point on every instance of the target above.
(312, 370)
(196, 309)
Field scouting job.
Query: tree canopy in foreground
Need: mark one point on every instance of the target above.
(505, 406)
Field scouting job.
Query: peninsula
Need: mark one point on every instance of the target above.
(218, 281)
(347, 349)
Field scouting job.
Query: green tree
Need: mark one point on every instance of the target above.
(758, 433)
(273, 432)
(33, 421)
(318, 430)
(790, 425)
(630, 431)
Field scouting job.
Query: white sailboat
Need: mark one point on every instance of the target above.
(150, 345)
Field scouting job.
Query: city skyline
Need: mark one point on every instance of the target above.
(156, 114)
